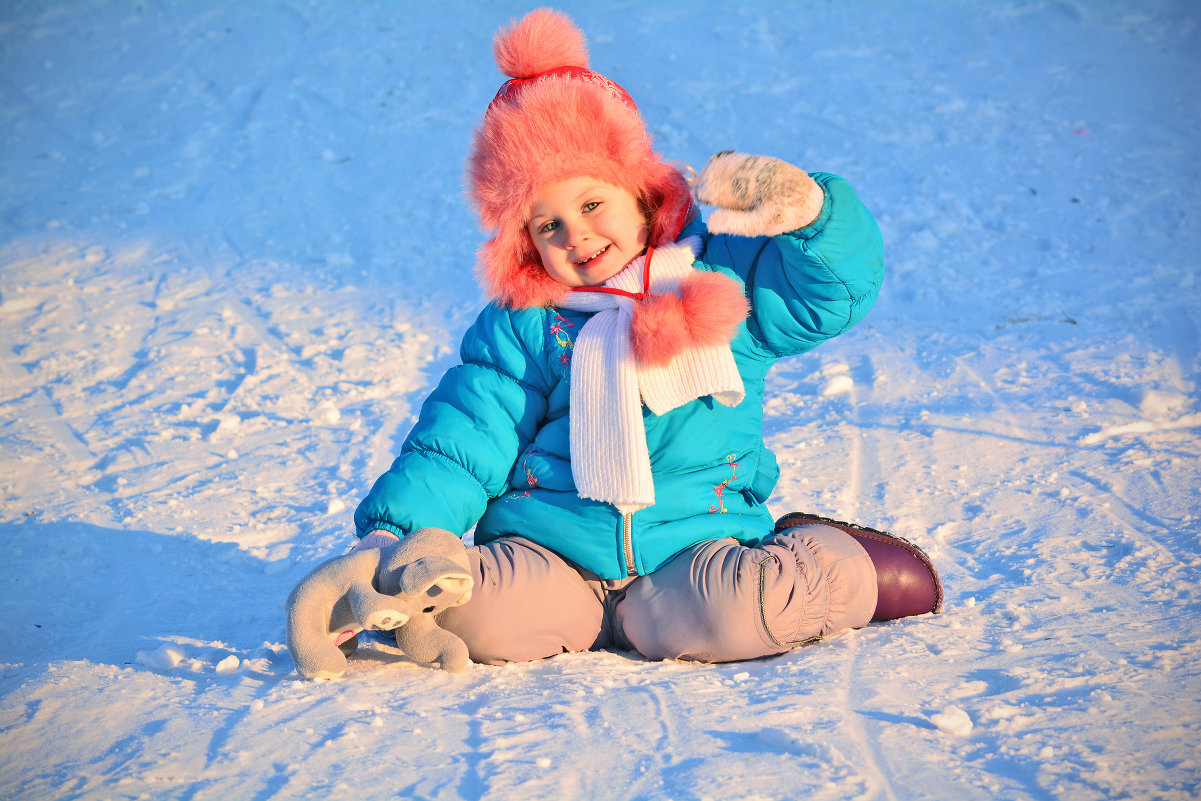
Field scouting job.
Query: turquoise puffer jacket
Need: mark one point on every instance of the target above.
(491, 446)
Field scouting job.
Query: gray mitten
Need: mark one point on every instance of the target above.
(757, 195)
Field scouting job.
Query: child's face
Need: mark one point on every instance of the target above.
(586, 230)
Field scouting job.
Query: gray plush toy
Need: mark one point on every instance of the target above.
(399, 587)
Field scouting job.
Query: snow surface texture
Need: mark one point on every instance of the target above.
(235, 256)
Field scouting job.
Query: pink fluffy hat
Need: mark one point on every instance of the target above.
(556, 119)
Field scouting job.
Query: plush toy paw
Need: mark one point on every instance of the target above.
(757, 195)
(423, 641)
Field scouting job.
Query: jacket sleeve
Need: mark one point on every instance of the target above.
(472, 427)
(808, 285)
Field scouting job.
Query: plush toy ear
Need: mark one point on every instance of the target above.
(434, 571)
(460, 584)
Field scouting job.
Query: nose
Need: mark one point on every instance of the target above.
(575, 233)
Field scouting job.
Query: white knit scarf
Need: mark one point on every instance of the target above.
(609, 457)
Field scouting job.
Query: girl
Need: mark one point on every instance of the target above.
(603, 432)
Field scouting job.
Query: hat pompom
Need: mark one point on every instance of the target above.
(541, 40)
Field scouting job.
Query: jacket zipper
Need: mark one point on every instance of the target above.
(627, 542)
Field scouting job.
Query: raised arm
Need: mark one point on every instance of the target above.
(808, 249)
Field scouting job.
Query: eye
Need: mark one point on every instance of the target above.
(548, 226)
(590, 205)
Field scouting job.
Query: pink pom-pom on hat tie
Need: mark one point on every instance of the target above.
(707, 309)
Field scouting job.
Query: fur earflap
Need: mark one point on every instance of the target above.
(707, 310)
(542, 40)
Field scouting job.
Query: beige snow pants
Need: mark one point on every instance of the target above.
(716, 601)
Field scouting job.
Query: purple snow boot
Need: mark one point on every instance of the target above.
(908, 581)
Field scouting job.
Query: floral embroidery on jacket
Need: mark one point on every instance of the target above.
(561, 337)
(531, 480)
(720, 489)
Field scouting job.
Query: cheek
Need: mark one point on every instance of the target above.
(540, 247)
(639, 238)
(553, 263)
(641, 218)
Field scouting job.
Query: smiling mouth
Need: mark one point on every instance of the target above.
(584, 262)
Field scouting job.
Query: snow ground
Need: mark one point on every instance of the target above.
(234, 256)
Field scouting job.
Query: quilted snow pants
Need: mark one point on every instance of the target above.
(716, 601)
